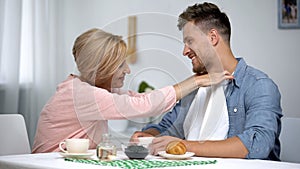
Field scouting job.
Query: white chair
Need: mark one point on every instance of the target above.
(290, 140)
(14, 138)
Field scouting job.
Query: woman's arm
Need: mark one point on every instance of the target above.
(187, 86)
(94, 103)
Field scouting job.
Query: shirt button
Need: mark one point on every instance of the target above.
(235, 110)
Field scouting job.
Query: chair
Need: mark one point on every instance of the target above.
(289, 139)
(14, 138)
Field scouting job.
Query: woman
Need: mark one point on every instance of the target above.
(82, 104)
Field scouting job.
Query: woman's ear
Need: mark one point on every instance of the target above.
(214, 37)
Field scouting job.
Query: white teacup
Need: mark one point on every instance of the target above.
(145, 140)
(75, 145)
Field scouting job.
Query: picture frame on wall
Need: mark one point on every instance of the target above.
(288, 14)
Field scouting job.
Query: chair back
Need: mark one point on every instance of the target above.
(290, 139)
(14, 138)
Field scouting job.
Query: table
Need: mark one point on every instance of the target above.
(56, 161)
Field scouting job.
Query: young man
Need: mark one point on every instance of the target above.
(253, 99)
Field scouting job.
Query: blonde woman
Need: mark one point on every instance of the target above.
(82, 104)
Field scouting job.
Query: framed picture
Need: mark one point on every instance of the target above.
(288, 14)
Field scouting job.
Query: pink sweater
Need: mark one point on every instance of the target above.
(79, 110)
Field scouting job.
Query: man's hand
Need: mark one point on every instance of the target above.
(139, 134)
(151, 132)
(160, 143)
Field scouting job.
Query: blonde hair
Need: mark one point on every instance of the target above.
(98, 54)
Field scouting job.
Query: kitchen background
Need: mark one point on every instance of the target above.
(255, 36)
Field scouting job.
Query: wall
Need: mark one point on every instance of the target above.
(255, 36)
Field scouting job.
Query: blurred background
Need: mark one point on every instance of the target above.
(36, 39)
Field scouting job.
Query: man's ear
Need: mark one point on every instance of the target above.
(214, 37)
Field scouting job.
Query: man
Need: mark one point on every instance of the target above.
(253, 99)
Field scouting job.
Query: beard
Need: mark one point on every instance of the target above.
(200, 70)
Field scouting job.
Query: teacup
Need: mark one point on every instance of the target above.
(145, 140)
(75, 145)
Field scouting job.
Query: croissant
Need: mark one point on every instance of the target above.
(176, 147)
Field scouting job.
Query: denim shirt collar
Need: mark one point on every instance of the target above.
(239, 72)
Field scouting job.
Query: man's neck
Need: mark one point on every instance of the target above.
(230, 64)
(227, 59)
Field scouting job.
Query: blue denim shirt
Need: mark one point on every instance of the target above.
(253, 102)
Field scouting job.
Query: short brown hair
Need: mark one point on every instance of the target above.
(207, 16)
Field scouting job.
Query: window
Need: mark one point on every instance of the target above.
(2, 10)
(26, 54)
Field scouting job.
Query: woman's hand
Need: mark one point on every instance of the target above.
(212, 78)
(187, 86)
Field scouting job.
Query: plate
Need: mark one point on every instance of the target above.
(176, 157)
(77, 155)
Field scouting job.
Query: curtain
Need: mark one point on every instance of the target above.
(29, 57)
(11, 11)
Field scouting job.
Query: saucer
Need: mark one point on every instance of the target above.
(77, 155)
(176, 157)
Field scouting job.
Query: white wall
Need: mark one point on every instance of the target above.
(255, 36)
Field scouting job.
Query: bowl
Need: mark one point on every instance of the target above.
(135, 151)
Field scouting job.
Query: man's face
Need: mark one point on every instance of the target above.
(198, 66)
(197, 48)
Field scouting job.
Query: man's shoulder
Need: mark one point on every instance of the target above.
(247, 72)
(256, 73)
(249, 75)
(256, 79)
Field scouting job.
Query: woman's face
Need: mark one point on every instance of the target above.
(119, 77)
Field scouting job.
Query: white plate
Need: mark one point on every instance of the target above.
(77, 155)
(176, 157)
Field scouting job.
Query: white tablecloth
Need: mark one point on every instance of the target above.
(56, 161)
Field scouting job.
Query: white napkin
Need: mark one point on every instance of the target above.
(207, 118)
